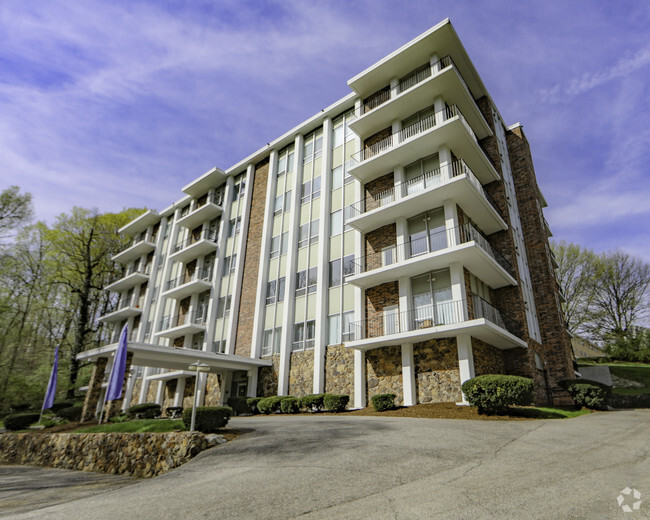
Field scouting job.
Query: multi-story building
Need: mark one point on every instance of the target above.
(394, 242)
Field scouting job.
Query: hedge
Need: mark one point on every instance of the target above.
(239, 405)
(61, 405)
(289, 405)
(72, 413)
(587, 393)
(144, 411)
(383, 402)
(252, 404)
(174, 412)
(269, 405)
(209, 419)
(20, 421)
(335, 402)
(493, 393)
(313, 403)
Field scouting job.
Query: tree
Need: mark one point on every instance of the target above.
(577, 275)
(15, 209)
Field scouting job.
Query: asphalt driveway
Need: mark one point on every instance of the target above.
(369, 467)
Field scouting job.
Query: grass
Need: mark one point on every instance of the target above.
(139, 426)
(635, 372)
(548, 413)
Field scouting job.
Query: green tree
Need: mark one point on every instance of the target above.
(15, 209)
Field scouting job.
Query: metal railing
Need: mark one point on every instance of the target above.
(426, 181)
(197, 275)
(430, 243)
(193, 239)
(483, 309)
(171, 321)
(375, 101)
(410, 132)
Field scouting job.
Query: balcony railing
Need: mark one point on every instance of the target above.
(132, 301)
(193, 239)
(198, 275)
(171, 321)
(212, 198)
(434, 241)
(426, 181)
(410, 132)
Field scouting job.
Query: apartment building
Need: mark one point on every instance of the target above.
(394, 242)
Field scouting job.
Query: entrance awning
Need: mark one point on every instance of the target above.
(172, 358)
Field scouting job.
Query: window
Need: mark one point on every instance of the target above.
(229, 265)
(279, 244)
(224, 307)
(334, 329)
(281, 284)
(219, 346)
(308, 233)
(234, 227)
(310, 190)
(313, 147)
(303, 335)
(337, 136)
(335, 273)
(239, 189)
(336, 223)
(271, 341)
(349, 266)
(285, 161)
(337, 178)
(348, 326)
(315, 188)
(348, 212)
(275, 291)
(306, 281)
(282, 203)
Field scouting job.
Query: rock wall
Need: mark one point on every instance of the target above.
(132, 454)
(339, 370)
(267, 378)
(384, 372)
(212, 390)
(301, 373)
(437, 379)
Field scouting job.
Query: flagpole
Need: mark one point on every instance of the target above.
(48, 402)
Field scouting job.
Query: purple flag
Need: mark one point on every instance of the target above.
(51, 386)
(116, 380)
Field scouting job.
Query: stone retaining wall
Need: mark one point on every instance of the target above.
(132, 454)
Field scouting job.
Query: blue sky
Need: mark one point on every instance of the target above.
(121, 103)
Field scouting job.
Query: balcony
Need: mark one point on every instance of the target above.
(201, 212)
(415, 91)
(454, 181)
(463, 244)
(173, 326)
(186, 285)
(440, 320)
(125, 309)
(194, 246)
(140, 246)
(131, 278)
(446, 127)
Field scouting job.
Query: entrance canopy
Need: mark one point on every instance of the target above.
(172, 358)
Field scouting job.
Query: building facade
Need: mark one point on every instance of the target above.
(394, 242)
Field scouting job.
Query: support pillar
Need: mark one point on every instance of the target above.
(465, 359)
(359, 379)
(94, 389)
(408, 375)
(180, 391)
(114, 407)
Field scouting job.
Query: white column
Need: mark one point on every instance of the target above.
(263, 272)
(226, 383)
(126, 402)
(322, 289)
(457, 276)
(241, 254)
(438, 108)
(433, 61)
(408, 375)
(144, 389)
(252, 382)
(399, 181)
(405, 302)
(394, 87)
(160, 394)
(180, 391)
(465, 359)
(359, 379)
(292, 260)
(444, 155)
(451, 222)
(402, 239)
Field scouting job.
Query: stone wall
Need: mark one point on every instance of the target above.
(437, 378)
(135, 394)
(252, 261)
(188, 394)
(487, 358)
(133, 454)
(301, 373)
(384, 373)
(267, 378)
(212, 390)
(339, 370)
(152, 391)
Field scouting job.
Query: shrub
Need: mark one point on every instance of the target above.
(313, 403)
(383, 402)
(122, 418)
(17, 408)
(209, 419)
(494, 393)
(269, 405)
(72, 413)
(20, 421)
(289, 405)
(587, 393)
(239, 405)
(61, 405)
(335, 402)
(252, 404)
(174, 412)
(144, 411)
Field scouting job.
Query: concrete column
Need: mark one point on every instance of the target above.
(113, 407)
(434, 62)
(94, 389)
(252, 382)
(144, 389)
(226, 383)
(408, 375)
(439, 107)
(451, 222)
(129, 391)
(444, 155)
(402, 239)
(399, 181)
(180, 391)
(458, 293)
(160, 393)
(359, 379)
(394, 87)
(465, 359)
(405, 303)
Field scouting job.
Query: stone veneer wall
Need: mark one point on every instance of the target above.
(152, 391)
(376, 241)
(339, 370)
(377, 298)
(135, 394)
(170, 393)
(188, 394)
(212, 390)
(301, 373)
(384, 372)
(133, 454)
(247, 301)
(437, 377)
(267, 378)
(375, 188)
(487, 358)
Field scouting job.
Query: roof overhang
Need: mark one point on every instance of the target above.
(140, 223)
(212, 178)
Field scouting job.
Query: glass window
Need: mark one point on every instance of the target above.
(335, 273)
(303, 235)
(301, 283)
(298, 336)
(348, 326)
(337, 177)
(336, 223)
(277, 208)
(284, 244)
(313, 233)
(224, 307)
(267, 344)
(306, 192)
(271, 291)
(281, 284)
(337, 136)
(348, 265)
(275, 246)
(312, 279)
(334, 329)
(315, 188)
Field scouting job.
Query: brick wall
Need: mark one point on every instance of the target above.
(376, 187)
(375, 138)
(384, 373)
(468, 294)
(437, 378)
(248, 296)
(376, 241)
(377, 298)
(487, 358)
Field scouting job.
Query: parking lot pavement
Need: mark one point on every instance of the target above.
(325, 467)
